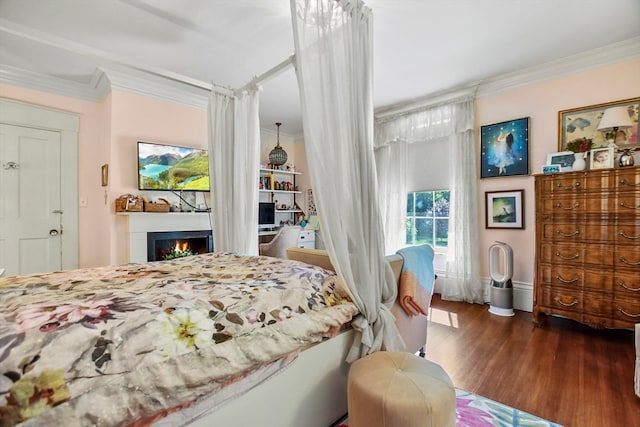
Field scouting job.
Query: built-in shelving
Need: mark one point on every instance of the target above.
(287, 197)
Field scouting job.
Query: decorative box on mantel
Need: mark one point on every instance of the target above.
(140, 223)
(157, 207)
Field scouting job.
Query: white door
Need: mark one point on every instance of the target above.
(30, 200)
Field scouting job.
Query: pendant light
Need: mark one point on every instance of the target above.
(277, 156)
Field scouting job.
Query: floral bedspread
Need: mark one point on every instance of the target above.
(126, 345)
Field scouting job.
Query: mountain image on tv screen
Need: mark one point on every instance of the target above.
(172, 168)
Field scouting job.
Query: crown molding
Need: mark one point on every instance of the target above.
(584, 61)
(46, 83)
(147, 84)
(172, 88)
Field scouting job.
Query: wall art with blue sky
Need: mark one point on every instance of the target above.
(504, 148)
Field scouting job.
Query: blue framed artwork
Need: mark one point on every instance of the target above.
(504, 148)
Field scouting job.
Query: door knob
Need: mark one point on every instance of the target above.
(53, 232)
(10, 165)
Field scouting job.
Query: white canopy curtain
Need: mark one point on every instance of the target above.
(334, 66)
(234, 156)
(452, 120)
(392, 192)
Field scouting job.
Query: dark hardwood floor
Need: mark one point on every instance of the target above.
(565, 372)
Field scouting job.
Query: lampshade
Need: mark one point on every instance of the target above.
(615, 118)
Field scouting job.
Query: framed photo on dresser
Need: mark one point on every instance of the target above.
(601, 158)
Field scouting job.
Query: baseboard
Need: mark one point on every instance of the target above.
(522, 292)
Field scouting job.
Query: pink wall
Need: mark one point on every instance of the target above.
(92, 151)
(109, 130)
(140, 118)
(542, 102)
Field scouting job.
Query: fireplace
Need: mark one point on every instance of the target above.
(163, 245)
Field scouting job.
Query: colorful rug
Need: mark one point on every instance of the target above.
(477, 411)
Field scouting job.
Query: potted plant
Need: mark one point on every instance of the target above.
(580, 146)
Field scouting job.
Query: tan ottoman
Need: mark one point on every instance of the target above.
(399, 389)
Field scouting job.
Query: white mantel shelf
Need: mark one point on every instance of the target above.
(141, 223)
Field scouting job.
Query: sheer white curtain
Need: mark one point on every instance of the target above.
(392, 192)
(234, 157)
(333, 44)
(452, 120)
(463, 271)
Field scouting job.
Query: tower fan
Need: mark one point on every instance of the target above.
(501, 270)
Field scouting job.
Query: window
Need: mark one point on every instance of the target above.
(428, 218)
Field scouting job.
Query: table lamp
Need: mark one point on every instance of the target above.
(613, 120)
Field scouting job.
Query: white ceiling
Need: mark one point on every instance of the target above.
(421, 47)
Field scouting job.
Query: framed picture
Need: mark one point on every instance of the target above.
(504, 148)
(583, 122)
(550, 169)
(504, 209)
(105, 175)
(564, 159)
(601, 158)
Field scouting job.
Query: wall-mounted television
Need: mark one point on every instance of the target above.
(172, 168)
(266, 213)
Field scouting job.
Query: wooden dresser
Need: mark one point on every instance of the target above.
(588, 247)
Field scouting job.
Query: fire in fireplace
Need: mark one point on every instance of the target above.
(175, 244)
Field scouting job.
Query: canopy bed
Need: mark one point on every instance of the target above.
(136, 344)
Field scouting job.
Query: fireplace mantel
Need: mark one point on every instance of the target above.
(141, 223)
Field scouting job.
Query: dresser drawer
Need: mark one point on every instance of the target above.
(627, 232)
(307, 239)
(577, 204)
(577, 254)
(597, 304)
(627, 203)
(627, 179)
(307, 235)
(562, 299)
(627, 284)
(577, 232)
(558, 184)
(627, 258)
(626, 309)
(577, 279)
(603, 181)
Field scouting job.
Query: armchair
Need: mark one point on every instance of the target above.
(287, 237)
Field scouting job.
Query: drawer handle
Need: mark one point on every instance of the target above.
(576, 205)
(574, 185)
(563, 234)
(621, 283)
(621, 310)
(626, 236)
(575, 279)
(574, 256)
(575, 301)
(624, 205)
(624, 182)
(626, 261)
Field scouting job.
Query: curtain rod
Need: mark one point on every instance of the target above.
(425, 103)
(284, 65)
(75, 47)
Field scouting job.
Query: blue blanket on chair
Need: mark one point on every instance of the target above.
(417, 271)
